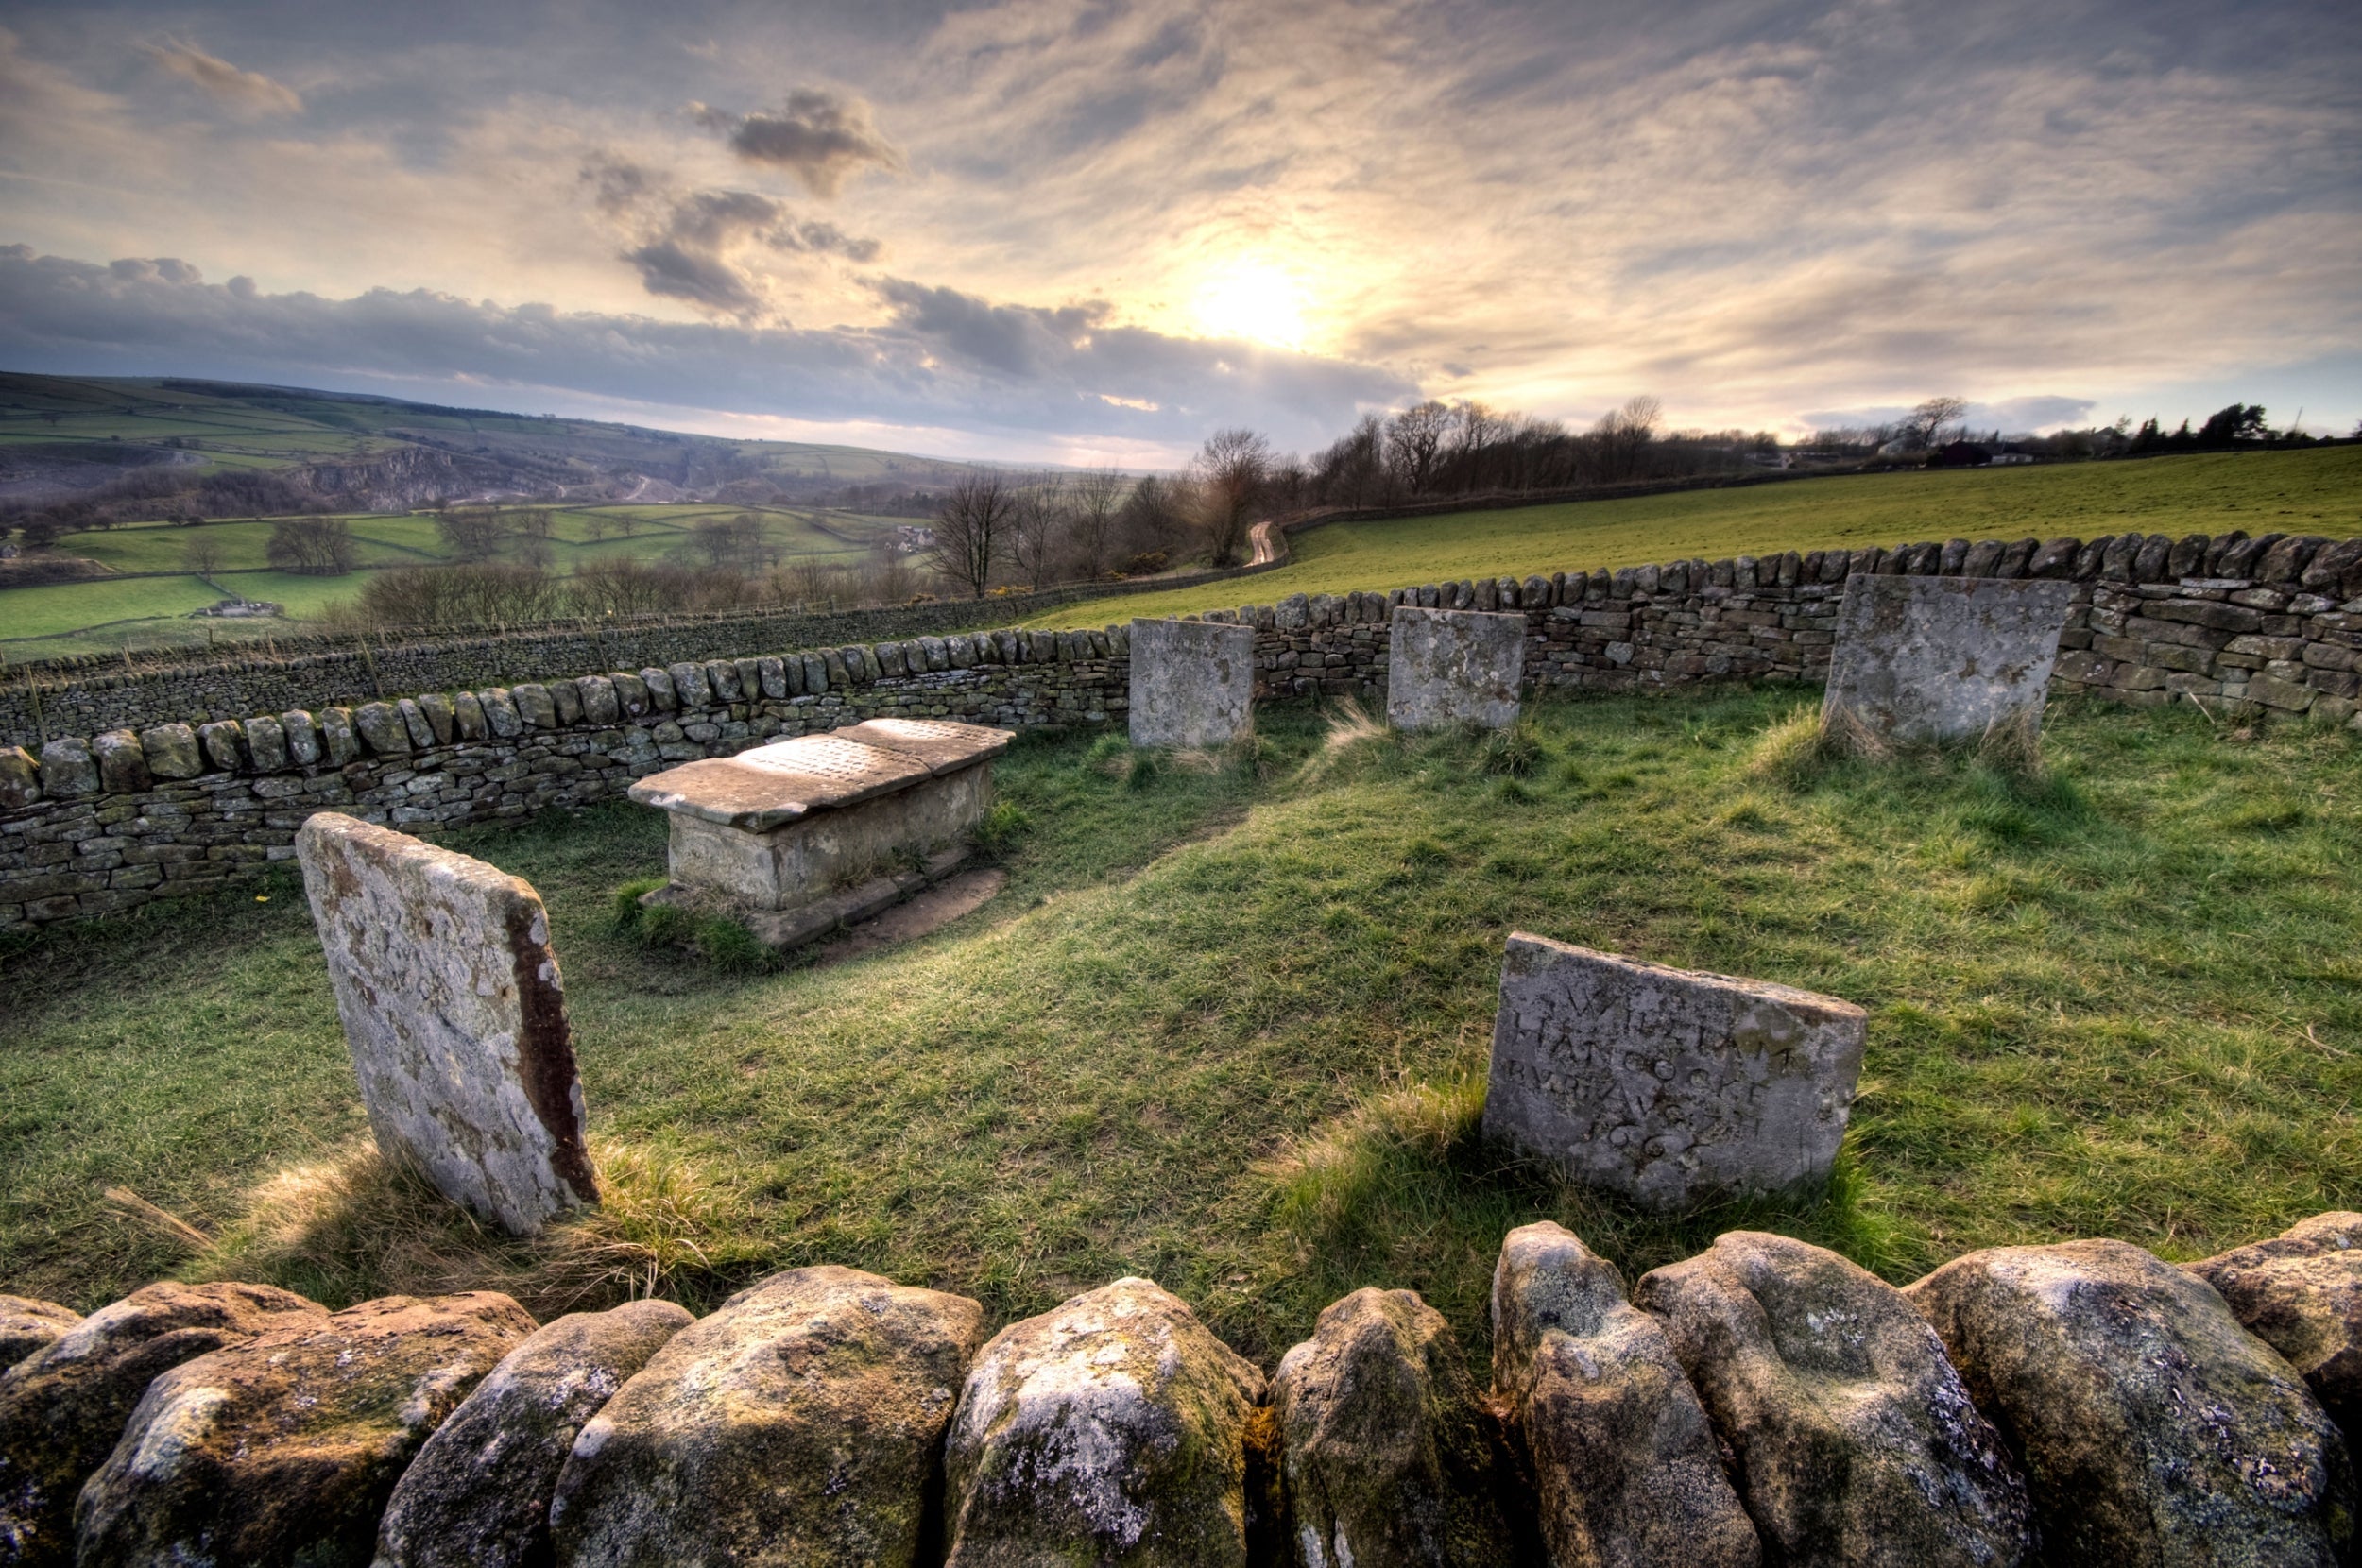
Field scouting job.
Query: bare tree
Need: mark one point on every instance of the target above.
(315, 546)
(972, 530)
(1038, 528)
(1923, 427)
(1155, 516)
(1096, 498)
(201, 556)
(1415, 441)
(1620, 437)
(476, 534)
(1229, 473)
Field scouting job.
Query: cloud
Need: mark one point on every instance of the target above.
(693, 244)
(820, 137)
(246, 92)
(944, 359)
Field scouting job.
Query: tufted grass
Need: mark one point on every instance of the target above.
(1227, 1024)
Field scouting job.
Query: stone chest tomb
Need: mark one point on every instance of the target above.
(1192, 683)
(1921, 659)
(1451, 667)
(800, 836)
(1668, 1086)
(455, 1017)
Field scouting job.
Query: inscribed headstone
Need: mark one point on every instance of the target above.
(1923, 659)
(1192, 683)
(1449, 667)
(1668, 1086)
(455, 1017)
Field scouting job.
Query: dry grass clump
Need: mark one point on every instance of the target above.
(356, 1225)
(1796, 748)
(1346, 727)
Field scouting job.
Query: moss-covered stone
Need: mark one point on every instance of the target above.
(1110, 1431)
(478, 1494)
(1625, 1465)
(2154, 1429)
(2301, 1294)
(28, 1324)
(280, 1451)
(64, 1407)
(1388, 1459)
(801, 1423)
(1856, 1441)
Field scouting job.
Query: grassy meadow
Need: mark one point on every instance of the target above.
(151, 611)
(1227, 1024)
(2312, 491)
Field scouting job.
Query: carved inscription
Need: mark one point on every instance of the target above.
(1668, 1086)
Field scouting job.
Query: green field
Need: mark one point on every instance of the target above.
(1226, 1026)
(2316, 491)
(98, 616)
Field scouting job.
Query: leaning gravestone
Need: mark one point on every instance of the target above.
(455, 1017)
(1921, 659)
(1450, 666)
(1665, 1085)
(1192, 683)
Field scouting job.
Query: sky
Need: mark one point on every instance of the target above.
(1072, 231)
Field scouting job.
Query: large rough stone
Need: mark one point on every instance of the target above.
(282, 1451)
(1625, 1465)
(1453, 667)
(1668, 1086)
(62, 1407)
(1856, 1440)
(801, 1423)
(1112, 1431)
(1192, 683)
(1388, 1459)
(2301, 1294)
(27, 1323)
(455, 1017)
(172, 751)
(1943, 659)
(478, 1496)
(122, 766)
(68, 771)
(2153, 1429)
(20, 780)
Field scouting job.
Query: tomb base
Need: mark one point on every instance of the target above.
(784, 931)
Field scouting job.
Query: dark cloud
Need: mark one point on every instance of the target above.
(691, 243)
(820, 137)
(946, 359)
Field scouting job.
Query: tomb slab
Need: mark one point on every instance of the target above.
(456, 1016)
(1453, 667)
(1669, 1088)
(1192, 683)
(1929, 660)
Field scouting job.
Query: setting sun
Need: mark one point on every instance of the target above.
(1255, 301)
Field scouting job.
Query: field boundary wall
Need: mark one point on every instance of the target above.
(97, 824)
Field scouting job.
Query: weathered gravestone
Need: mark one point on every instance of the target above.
(1450, 666)
(796, 838)
(455, 1017)
(1921, 659)
(1668, 1086)
(1192, 683)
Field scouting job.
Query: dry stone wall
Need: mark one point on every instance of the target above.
(100, 823)
(1766, 1402)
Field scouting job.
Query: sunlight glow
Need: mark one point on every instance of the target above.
(1254, 299)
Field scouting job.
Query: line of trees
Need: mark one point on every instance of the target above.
(993, 528)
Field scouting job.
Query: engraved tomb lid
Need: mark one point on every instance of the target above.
(945, 746)
(772, 786)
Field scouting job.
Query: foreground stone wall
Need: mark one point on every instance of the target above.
(1767, 1401)
(111, 820)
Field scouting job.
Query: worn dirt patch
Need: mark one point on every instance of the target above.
(914, 919)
